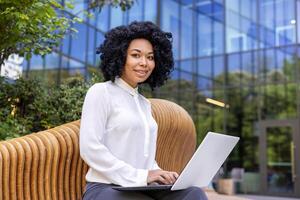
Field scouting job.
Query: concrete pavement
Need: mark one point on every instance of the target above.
(256, 197)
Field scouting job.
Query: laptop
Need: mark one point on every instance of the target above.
(202, 167)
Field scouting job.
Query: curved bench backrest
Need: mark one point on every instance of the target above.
(47, 165)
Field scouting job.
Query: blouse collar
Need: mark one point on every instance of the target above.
(122, 84)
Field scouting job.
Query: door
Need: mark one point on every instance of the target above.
(278, 149)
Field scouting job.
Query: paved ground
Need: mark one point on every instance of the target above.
(215, 196)
(255, 197)
(212, 195)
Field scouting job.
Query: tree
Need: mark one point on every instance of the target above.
(123, 4)
(30, 27)
(31, 105)
(37, 26)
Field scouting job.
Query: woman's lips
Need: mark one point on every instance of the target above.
(141, 72)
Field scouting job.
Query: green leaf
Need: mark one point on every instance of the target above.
(69, 5)
(56, 4)
(28, 56)
(77, 19)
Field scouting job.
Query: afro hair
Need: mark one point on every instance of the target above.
(113, 51)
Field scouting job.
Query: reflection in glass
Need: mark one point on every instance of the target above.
(279, 160)
(204, 35)
(150, 10)
(52, 61)
(170, 22)
(66, 44)
(78, 45)
(187, 65)
(36, 62)
(241, 27)
(218, 66)
(186, 32)
(218, 39)
(175, 74)
(186, 77)
(76, 64)
(297, 21)
(136, 13)
(103, 19)
(116, 17)
(204, 83)
(91, 52)
(205, 67)
(277, 21)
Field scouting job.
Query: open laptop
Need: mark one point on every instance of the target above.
(202, 167)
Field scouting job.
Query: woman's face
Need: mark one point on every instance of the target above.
(139, 62)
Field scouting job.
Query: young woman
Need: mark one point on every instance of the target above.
(118, 133)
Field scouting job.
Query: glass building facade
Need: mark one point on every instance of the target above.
(242, 53)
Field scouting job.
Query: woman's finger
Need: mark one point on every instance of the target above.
(167, 176)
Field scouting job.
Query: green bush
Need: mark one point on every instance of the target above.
(31, 105)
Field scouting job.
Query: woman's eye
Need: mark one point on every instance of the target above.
(151, 57)
(135, 55)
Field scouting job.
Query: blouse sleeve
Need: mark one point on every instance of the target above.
(155, 165)
(97, 156)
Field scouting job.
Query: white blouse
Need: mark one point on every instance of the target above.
(117, 134)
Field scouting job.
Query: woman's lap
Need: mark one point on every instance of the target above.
(190, 193)
(95, 191)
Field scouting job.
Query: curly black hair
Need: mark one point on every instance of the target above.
(113, 51)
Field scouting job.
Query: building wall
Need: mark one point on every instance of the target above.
(243, 53)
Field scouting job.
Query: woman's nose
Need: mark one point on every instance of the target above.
(143, 61)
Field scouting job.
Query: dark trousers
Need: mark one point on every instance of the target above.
(95, 191)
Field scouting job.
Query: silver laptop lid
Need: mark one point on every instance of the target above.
(206, 161)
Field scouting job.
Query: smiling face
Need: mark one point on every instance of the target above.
(139, 62)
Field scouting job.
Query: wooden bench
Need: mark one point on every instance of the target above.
(47, 165)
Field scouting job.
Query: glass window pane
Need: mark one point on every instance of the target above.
(186, 32)
(218, 66)
(287, 63)
(241, 29)
(232, 5)
(116, 17)
(218, 45)
(278, 22)
(269, 60)
(136, 13)
(76, 64)
(65, 62)
(170, 22)
(218, 70)
(78, 9)
(205, 67)
(204, 83)
(249, 64)
(52, 61)
(185, 76)
(298, 20)
(99, 41)
(218, 12)
(36, 62)
(187, 65)
(204, 35)
(175, 74)
(91, 53)
(285, 25)
(234, 69)
(150, 10)
(66, 44)
(103, 19)
(78, 46)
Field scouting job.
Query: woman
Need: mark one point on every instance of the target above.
(118, 133)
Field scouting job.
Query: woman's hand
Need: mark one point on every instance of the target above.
(161, 177)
